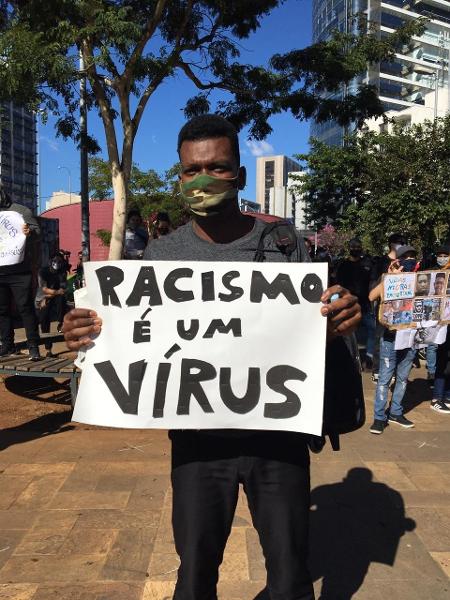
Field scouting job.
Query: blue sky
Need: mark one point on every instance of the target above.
(286, 28)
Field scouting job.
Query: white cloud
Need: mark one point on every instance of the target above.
(259, 148)
(50, 143)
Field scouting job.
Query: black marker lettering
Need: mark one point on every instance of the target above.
(141, 332)
(236, 292)
(208, 292)
(128, 401)
(172, 291)
(108, 278)
(145, 285)
(249, 400)
(312, 288)
(282, 284)
(188, 334)
(276, 378)
(190, 385)
(218, 325)
(159, 401)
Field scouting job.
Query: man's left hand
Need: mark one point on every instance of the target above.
(344, 313)
(26, 229)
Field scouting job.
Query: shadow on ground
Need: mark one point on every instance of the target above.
(44, 389)
(49, 424)
(354, 523)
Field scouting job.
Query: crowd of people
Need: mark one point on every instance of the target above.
(361, 274)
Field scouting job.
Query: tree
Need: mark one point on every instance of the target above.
(129, 47)
(384, 182)
(147, 190)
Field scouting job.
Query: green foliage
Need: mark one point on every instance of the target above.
(147, 191)
(383, 182)
(105, 236)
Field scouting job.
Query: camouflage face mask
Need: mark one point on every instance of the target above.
(204, 193)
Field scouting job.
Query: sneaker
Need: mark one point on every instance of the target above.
(375, 377)
(440, 406)
(49, 354)
(422, 354)
(377, 426)
(401, 420)
(59, 328)
(34, 353)
(7, 351)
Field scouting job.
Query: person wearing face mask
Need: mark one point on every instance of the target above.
(393, 361)
(136, 236)
(354, 273)
(50, 300)
(208, 466)
(161, 225)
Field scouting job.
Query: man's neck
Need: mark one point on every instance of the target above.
(223, 228)
(392, 254)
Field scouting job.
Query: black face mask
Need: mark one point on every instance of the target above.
(408, 264)
(163, 231)
(355, 252)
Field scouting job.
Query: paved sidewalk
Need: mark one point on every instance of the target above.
(85, 514)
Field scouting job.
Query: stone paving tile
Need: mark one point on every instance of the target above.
(55, 519)
(9, 540)
(410, 590)
(391, 474)
(17, 519)
(21, 591)
(41, 542)
(97, 500)
(88, 541)
(39, 493)
(39, 568)
(12, 486)
(158, 590)
(163, 566)
(39, 469)
(129, 556)
(118, 519)
(426, 499)
(92, 591)
(433, 527)
(149, 492)
(443, 560)
(230, 590)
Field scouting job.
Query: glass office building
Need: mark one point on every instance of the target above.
(419, 68)
(18, 154)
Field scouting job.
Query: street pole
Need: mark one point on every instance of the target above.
(436, 89)
(84, 184)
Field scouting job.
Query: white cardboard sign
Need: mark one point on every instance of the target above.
(12, 238)
(204, 345)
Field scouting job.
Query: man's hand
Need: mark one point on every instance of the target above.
(79, 324)
(26, 229)
(344, 313)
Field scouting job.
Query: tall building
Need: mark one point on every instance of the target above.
(18, 154)
(272, 172)
(420, 68)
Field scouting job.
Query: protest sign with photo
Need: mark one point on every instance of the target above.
(415, 300)
(204, 346)
(12, 238)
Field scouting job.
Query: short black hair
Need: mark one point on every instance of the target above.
(209, 126)
(162, 215)
(134, 212)
(397, 238)
(355, 242)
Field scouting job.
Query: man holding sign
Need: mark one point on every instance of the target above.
(209, 465)
(17, 229)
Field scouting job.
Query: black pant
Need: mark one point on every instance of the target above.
(274, 470)
(19, 287)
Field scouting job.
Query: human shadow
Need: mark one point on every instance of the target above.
(43, 426)
(43, 389)
(353, 523)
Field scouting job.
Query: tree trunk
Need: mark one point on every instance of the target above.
(119, 214)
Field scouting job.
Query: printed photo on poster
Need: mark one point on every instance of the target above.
(431, 309)
(402, 312)
(423, 284)
(447, 291)
(445, 316)
(418, 310)
(437, 287)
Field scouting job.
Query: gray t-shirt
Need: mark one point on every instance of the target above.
(185, 244)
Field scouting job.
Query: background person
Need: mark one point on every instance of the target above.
(16, 282)
(392, 361)
(161, 225)
(136, 236)
(50, 298)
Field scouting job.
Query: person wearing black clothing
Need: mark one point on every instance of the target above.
(354, 273)
(50, 298)
(16, 283)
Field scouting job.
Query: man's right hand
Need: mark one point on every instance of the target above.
(79, 324)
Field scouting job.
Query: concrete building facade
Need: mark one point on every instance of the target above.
(418, 75)
(272, 172)
(18, 154)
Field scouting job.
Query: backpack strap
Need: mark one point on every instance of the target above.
(283, 235)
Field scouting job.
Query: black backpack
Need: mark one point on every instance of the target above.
(344, 408)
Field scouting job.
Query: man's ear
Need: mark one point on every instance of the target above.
(242, 177)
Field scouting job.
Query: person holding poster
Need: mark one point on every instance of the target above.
(209, 465)
(15, 282)
(392, 360)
